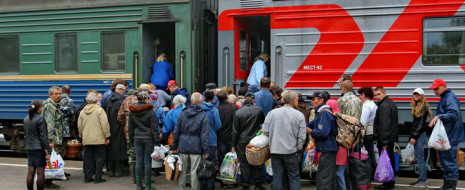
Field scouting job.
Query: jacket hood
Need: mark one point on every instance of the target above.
(193, 110)
(140, 107)
(90, 108)
(115, 97)
(181, 91)
(206, 106)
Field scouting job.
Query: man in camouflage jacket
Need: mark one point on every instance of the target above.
(54, 118)
(67, 109)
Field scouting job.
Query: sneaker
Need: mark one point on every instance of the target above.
(414, 183)
(100, 181)
(421, 184)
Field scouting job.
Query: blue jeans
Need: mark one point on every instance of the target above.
(223, 148)
(420, 156)
(288, 163)
(340, 177)
(448, 158)
(144, 147)
(210, 183)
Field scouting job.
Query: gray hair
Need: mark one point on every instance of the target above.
(179, 100)
(91, 98)
(142, 96)
(288, 96)
(232, 99)
(51, 89)
(196, 98)
(120, 87)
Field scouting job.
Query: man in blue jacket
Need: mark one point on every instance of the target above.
(264, 98)
(449, 112)
(191, 139)
(215, 125)
(324, 130)
(175, 90)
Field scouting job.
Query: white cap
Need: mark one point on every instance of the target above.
(120, 87)
(419, 91)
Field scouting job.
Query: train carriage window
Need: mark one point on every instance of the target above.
(444, 41)
(113, 51)
(9, 54)
(66, 53)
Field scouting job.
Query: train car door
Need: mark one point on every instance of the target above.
(251, 38)
(242, 50)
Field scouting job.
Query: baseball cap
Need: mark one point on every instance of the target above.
(170, 83)
(210, 86)
(249, 94)
(120, 87)
(419, 91)
(437, 83)
(318, 94)
(144, 87)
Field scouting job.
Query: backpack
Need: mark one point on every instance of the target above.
(348, 129)
(206, 170)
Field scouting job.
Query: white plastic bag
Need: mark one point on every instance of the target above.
(408, 154)
(58, 170)
(228, 167)
(439, 139)
(171, 159)
(269, 167)
(260, 141)
(158, 153)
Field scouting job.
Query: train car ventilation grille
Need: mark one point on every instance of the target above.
(159, 12)
(248, 4)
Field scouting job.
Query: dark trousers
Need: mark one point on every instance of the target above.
(368, 143)
(246, 168)
(390, 151)
(326, 175)
(144, 147)
(286, 163)
(448, 160)
(94, 156)
(223, 148)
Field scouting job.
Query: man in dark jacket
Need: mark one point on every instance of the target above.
(246, 124)
(324, 130)
(191, 139)
(175, 90)
(116, 150)
(449, 112)
(385, 128)
(227, 113)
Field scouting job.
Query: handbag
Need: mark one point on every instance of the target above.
(206, 170)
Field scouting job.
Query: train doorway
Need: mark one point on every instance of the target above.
(158, 38)
(251, 38)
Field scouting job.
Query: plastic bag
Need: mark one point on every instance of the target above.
(408, 154)
(172, 159)
(228, 167)
(439, 139)
(268, 167)
(158, 153)
(58, 167)
(259, 141)
(384, 172)
(309, 156)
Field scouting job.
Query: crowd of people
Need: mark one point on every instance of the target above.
(120, 131)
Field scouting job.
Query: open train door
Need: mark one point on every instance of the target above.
(251, 38)
(241, 51)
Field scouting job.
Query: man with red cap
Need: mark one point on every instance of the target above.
(449, 112)
(175, 90)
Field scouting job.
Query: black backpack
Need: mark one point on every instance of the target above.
(206, 170)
